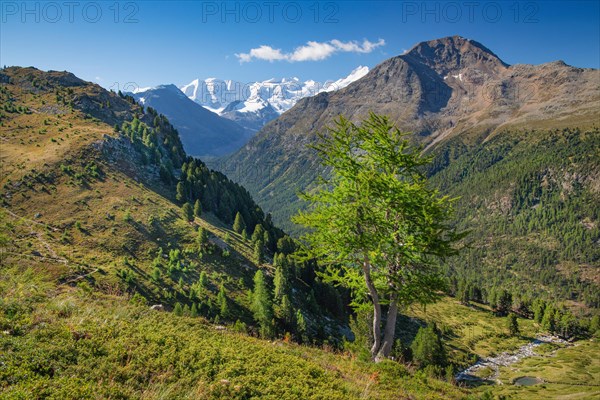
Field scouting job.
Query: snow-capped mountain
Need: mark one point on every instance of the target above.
(254, 104)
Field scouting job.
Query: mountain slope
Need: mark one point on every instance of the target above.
(202, 132)
(456, 96)
(439, 89)
(91, 200)
(92, 234)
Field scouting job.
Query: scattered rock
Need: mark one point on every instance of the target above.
(158, 307)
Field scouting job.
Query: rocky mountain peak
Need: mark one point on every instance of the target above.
(454, 53)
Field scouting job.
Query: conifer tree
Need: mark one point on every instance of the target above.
(285, 245)
(262, 306)
(239, 224)
(178, 310)
(259, 255)
(280, 281)
(180, 194)
(203, 280)
(428, 348)
(202, 237)
(258, 233)
(549, 321)
(194, 311)
(513, 324)
(222, 302)
(287, 310)
(197, 208)
(187, 212)
(301, 328)
(594, 324)
(267, 240)
(504, 303)
(538, 310)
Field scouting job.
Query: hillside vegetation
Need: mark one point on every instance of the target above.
(96, 227)
(104, 215)
(530, 199)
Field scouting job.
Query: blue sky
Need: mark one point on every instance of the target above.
(153, 42)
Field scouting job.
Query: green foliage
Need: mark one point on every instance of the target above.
(259, 252)
(194, 311)
(180, 193)
(527, 197)
(595, 324)
(178, 310)
(258, 233)
(220, 195)
(201, 237)
(222, 303)
(262, 305)
(512, 324)
(197, 208)
(281, 280)
(549, 319)
(287, 311)
(187, 212)
(504, 303)
(239, 225)
(203, 280)
(377, 217)
(301, 327)
(539, 306)
(286, 245)
(428, 348)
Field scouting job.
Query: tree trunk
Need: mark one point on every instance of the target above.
(376, 308)
(390, 330)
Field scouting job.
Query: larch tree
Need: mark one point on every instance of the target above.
(375, 224)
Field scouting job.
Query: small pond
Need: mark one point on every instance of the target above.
(527, 381)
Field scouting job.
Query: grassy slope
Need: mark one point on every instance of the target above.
(569, 372)
(95, 226)
(469, 330)
(71, 343)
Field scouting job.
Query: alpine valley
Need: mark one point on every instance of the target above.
(147, 249)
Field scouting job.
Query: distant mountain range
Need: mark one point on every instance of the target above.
(203, 133)
(254, 104)
(217, 117)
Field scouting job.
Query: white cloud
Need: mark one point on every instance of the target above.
(262, 53)
(311, 51)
